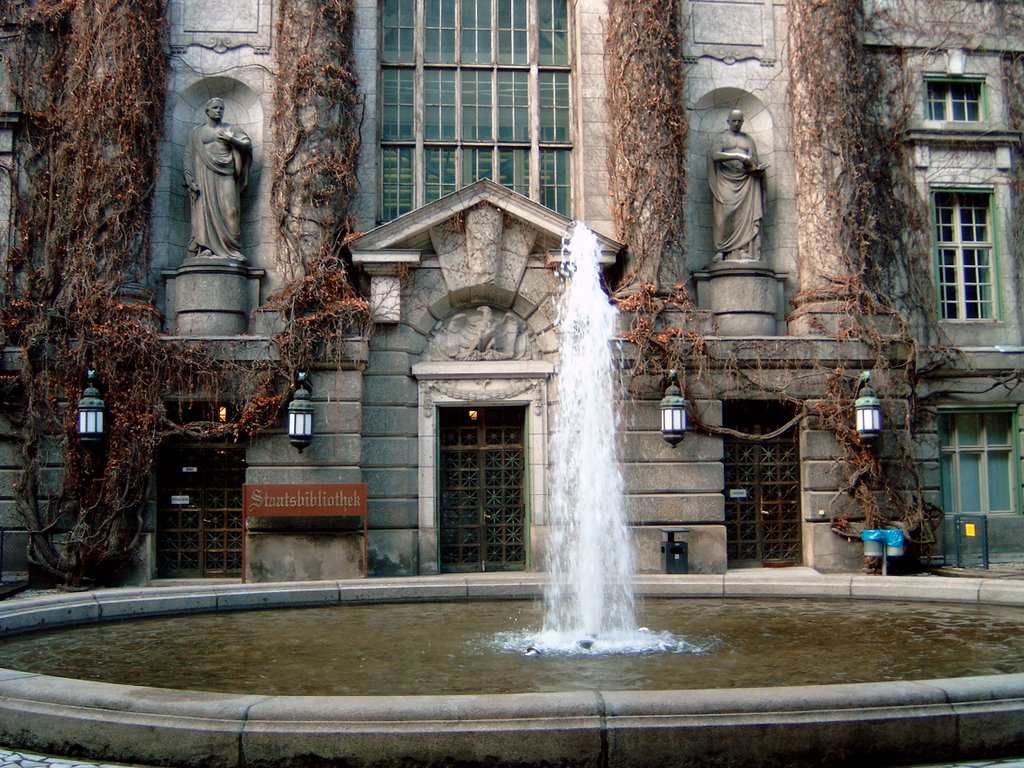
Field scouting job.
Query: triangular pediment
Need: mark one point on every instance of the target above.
(412, 232)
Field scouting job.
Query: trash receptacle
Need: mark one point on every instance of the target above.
(674, 553)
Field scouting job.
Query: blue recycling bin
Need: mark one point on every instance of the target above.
(882, 541)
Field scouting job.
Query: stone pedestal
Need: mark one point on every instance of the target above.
(742, 295)
(210, 297)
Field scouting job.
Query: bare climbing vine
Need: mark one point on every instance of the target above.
(90, 76)
(648, 132)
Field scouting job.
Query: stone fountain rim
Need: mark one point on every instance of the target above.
(842, 724)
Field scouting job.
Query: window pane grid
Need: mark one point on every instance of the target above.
(399, 23)
(514, 170)
(439, 173)
(465, 110)
(554, 180)
(397, 105)
(476, 105)
(476, 32)
(977, 462)
(397, 170)
(439, 31)
(439, 104)
(513, 105)
(955, 101)
(553, 32)
(553, 95)
(513, 34)
(477, 163)
(964, 241)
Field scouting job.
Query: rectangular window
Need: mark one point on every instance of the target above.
(964, 244)
(477, 164)
(513, 34)
(954, 100)
(476, 32)
(514, 170)
(513, 105)
(399, 22)
(553, 23)
(978, 462)
(397, 105)
(554, 106)
(397, 170)
(554, 180)
(470, 90)
(439, 32)
(439, 105)
(476, 105)
(439, 173)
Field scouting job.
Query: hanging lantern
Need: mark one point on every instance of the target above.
(674, 415)
(300, 415)
(90, 411)
(868, 409)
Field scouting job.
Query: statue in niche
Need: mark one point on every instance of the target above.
(479, 335)
(217, 161)
(736, 178)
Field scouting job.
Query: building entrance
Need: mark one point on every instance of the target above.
(199, 510)
(482, 489)
(762, 488)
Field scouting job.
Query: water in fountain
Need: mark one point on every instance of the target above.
(589, 603)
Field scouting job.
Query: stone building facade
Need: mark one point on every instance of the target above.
(484, 135)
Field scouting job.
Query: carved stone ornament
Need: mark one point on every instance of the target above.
(221, 26)
(481, 334)
(485, 248)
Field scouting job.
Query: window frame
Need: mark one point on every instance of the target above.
(504, 150)
(949, 80)
(984, 450)
(992, 245)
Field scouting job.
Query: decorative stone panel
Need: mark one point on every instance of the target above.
(483, 248)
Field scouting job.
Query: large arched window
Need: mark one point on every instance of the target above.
(474, 89)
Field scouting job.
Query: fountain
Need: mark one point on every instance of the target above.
(590, 596)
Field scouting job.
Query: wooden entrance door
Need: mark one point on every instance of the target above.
(762, 494)
(482, 489)
(199, 510)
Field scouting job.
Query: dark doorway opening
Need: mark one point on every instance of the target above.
(482, 489)
(762, 486)
(199, 510)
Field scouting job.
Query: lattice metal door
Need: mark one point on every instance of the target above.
(762, 501)
(199, 510)
(482, 488)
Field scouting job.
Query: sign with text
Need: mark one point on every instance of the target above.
(304, 499)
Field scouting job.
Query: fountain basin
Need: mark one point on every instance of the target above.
(833, 725)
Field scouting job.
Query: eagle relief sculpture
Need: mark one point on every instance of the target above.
(479, 334)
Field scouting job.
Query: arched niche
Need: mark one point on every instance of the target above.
(242, 107)
(710, 114)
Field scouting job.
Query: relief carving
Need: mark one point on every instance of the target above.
(480, 334)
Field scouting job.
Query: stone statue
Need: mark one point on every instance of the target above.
(736, 179)
(217, 160)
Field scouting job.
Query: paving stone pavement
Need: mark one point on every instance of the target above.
(10, 759)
